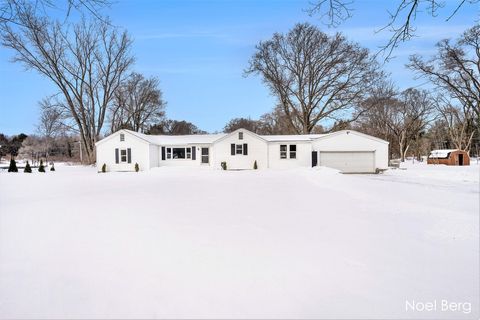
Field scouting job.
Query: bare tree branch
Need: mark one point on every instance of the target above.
(314, 76)
(138, 104)
(87, 62)
(11, 11)
(401, 20)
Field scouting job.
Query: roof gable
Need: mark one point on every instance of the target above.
(243, 130)
(363, 135)
(137, 135)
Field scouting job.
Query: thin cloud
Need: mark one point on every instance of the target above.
(423, 32)
(179, 35)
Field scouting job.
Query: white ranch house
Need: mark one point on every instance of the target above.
(346, 150)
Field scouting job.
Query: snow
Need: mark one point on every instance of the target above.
(441, 153)
(295, 137)
(180, 139)
(203, 243)
(211, 138)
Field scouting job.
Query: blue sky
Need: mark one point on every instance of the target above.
(199, 49)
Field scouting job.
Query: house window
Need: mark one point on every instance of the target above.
(293, 151)
(239, 149)
(283, 151)
(240, 136)
(178, 153)
(204, 155)
(123, 155)
(122, 137)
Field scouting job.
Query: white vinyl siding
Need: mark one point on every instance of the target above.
(139, 153)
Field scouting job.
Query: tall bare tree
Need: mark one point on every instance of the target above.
(459, 121)
(455, 69)
(402, 18)
(50, 124)
(376, 111)
(313, 76)
(409, 117)
(138, 104)
(86, 61)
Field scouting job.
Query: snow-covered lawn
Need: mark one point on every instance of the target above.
(201, 243)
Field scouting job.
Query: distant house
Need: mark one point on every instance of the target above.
(347, 150)
(450, 157)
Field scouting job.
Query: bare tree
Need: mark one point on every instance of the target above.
(87, 63)
(11, 11)
(401, 19)
(313, 76)
(409, 118)
(138, 104)
(400, 118)
(277, 122)
(50, 123)
(459, 121)
(174, 127)
(242, 123)
(455, 69)
(33, 148)
(332, 12)
(375, 112)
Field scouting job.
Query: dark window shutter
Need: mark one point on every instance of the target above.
(194, 152)
(129, 155)
(245, 149)
(163, 153)
(116, 155)
(232, 149)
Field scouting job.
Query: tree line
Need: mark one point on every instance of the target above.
(324, 83)
(320, 83)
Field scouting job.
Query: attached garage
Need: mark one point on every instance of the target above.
(350, 152)
(349, 162)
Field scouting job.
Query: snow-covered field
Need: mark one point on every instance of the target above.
(190, 243)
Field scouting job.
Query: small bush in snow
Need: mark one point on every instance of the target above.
(255, 166)
(52, 168)
(104, 168)
(13, 166)
(27, 169)
(41, 167)
(137, 168)
(224, 165)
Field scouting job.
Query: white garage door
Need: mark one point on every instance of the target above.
(349, 162)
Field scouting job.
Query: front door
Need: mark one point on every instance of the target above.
(314, 158)
(460, 159)
(205, 155)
